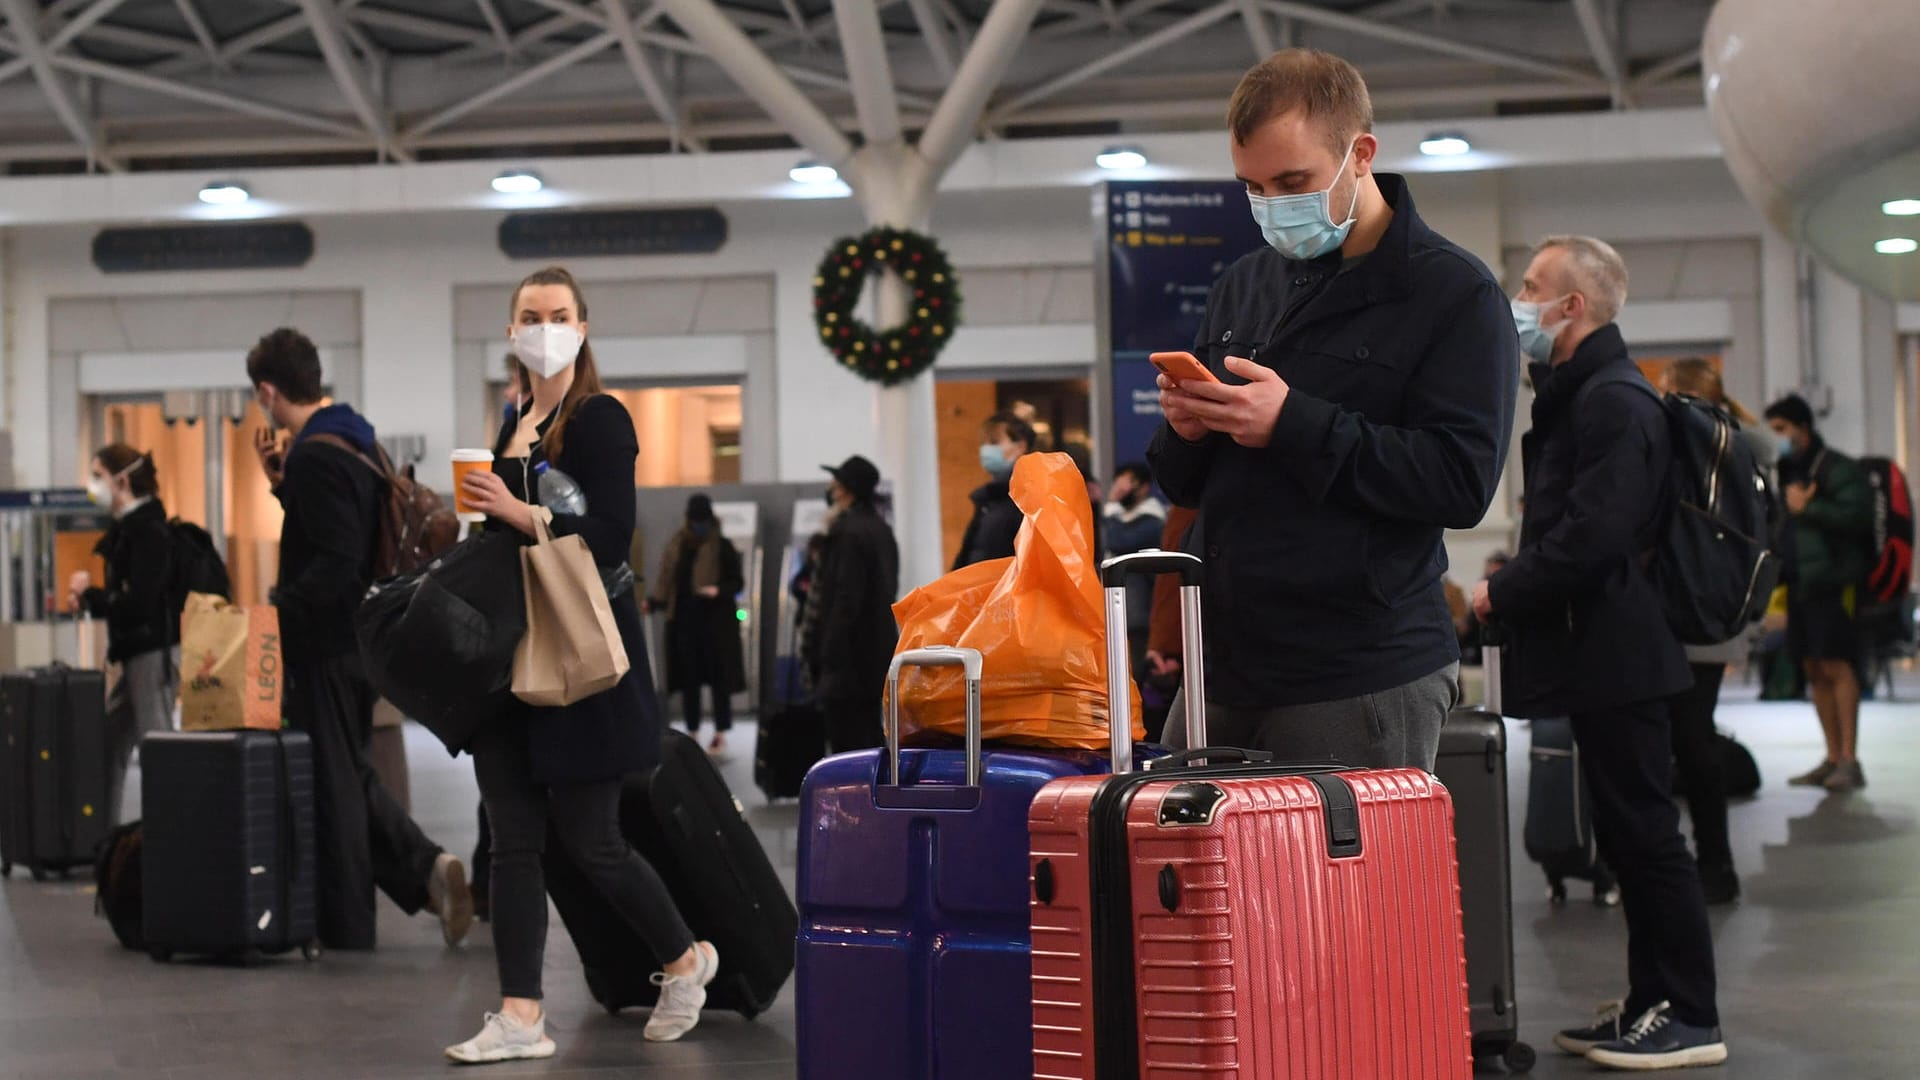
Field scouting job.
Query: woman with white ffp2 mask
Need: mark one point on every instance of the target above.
(136, 600)
(562, 767)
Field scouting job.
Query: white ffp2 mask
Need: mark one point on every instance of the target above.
(547, 348)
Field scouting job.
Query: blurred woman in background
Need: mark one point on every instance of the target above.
(137, 602)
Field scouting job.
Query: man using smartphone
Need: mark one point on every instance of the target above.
(1367, 372)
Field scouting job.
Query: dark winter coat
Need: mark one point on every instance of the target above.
(333, 503)
(134, 599)
(704, 645)
(995, 523)
(854, 634)
(1829, 544)
(1323, 548)
(1585, 628)
(615, 732)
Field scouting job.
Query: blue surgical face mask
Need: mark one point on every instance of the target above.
(1302, 226)
(994, 460)
(1783, 444)
(1535, 340)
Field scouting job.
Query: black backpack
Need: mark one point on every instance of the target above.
(1710, 559)
(197, 566)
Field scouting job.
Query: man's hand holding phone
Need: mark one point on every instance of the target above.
(1176, 369)
(273, 457)
(1246, 414)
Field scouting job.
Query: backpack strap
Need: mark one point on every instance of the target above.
(377, 461)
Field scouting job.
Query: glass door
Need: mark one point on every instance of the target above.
(202, 447)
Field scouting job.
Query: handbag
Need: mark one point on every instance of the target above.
(439, 642)
(572, 649)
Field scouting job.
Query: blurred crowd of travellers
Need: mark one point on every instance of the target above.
(1351, 395)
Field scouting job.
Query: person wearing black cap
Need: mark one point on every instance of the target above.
(853, 634)
(700, 579)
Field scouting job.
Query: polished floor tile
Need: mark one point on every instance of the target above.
(1817, 965)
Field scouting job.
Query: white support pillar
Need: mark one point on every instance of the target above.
(763, 81)
(954, 121)
(864, 45)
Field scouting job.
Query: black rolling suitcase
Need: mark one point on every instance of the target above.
(684, 820)
(55, 769)
(1473, 766)
(1559, 829)
(227, 858)
(790, 742)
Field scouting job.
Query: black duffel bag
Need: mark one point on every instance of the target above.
(438, 642)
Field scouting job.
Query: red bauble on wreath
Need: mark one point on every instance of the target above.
(886, 356)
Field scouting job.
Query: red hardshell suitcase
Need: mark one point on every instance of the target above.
(1244, 921)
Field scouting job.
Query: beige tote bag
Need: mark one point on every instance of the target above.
(572, 649)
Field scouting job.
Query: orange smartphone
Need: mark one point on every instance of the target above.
(1182, 367)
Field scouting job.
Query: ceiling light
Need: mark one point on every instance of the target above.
(1901, 207)
(813, 172)
(1897, 245)
(1121, 158)
(518, 182)
(224, 193)
(1445, 144)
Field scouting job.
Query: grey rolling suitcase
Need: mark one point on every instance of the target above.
(227, 860)
(55, 769)
(1473, 765)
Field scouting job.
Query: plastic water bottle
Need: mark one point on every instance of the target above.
(559, 492)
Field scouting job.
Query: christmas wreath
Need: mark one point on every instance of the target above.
(894, 354)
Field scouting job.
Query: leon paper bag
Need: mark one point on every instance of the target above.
(230, 666)
(572, 648)
(1038, 619)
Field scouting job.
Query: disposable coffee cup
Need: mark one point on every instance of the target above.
(464, 462)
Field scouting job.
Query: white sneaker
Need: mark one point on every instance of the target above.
(682, 996)
(504, 1039)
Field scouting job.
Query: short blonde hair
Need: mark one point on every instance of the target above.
(1321, 83)
(1595, 271)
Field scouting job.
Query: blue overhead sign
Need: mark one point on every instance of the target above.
(1165, 243)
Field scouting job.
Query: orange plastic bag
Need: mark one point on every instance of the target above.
(1038, 620)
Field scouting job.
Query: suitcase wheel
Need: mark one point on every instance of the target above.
(1606, 895)
(1556, 892)
(1519, 1058)
(160, 953)
(40, 873)
(310, 951)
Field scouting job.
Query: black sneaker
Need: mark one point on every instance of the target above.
(1608, 1021)
(1719, 883)
(1658, 1041)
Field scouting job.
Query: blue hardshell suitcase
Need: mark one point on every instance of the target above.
(913, 955)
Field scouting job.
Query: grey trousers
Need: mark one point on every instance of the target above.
(141, 703)
(1388, 729)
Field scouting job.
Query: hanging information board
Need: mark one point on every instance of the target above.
(1162, 246)
(567, 234)
(247, 245)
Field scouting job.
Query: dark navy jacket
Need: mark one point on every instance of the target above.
(1585, 627)
(1323, 548)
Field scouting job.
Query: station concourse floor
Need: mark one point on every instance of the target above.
(1818, 964)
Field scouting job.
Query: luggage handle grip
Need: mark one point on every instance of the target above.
(1213, 755)
(969, 663)
(1113, 575)
(1151, 562)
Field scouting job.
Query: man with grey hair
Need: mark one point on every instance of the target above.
(1588, 639)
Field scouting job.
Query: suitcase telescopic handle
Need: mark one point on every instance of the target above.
(968, 660)
(1114, 574)
(1492, 637)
